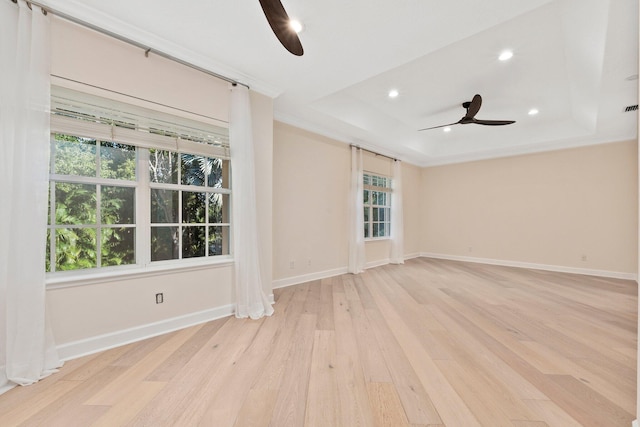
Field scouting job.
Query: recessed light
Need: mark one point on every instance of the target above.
(533, 112)
(295, 25)
(446, 129)
(393, 93)
(506, 55)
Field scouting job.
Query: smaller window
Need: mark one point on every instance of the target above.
(377, 206)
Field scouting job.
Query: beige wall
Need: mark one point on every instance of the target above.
(88, 61)
(311, 180)
(550, 208)
(412, 215)
(310, 196)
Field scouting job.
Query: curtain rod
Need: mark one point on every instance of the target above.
(145, 48)
(373, 152)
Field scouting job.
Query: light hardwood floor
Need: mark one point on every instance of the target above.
(431, 343)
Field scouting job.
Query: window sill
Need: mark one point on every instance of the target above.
(91, 277)
(376, 239)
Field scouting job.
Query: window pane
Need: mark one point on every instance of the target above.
(218, 173)
(75, 248)
(164, 243)
(374, 197)
(382, 198)
(366, 196)
(366, 214)
(163, 166)
(218, 240)
(366, 229)
(117, 205)
(218, 208)
(193, 169)
(387, 214)
(117, 246)
(366, 179)
(74, 155)
(193, 205)
(193, 241)
(117, 161)
(375, 214)
(75, 203)
(381, 230)
(164, 206)
(375, 230)
(382, 214)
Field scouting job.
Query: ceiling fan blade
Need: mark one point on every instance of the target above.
(473, 107)
(441, 126)
(493, 122)
(279, 22)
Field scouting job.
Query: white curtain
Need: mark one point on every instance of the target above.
(27, 351)
(356, 214)
(397, 227)
(251, 300)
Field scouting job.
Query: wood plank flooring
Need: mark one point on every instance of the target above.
(431, 343)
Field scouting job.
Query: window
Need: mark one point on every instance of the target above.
(189, 206)
(377, 206)
(91, 204)
(133, 187)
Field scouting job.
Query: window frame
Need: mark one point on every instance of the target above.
(97, 181)
(370, 185)
(143, 142)
(180, 224)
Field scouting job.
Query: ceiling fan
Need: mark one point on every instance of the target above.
(280, 24)
(473, 107)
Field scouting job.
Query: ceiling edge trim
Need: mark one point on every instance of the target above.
(523, 150)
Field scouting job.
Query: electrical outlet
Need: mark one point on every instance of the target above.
(159, 298)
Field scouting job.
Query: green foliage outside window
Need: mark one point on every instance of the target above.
(377, 206)
(84, 214)
(92, 204)
(180, 219)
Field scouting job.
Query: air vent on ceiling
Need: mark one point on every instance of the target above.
(631, 108)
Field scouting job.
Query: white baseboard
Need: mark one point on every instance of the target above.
(378, 263)
(534, 266)
(412, 256)
(99, 343)
(296, 280)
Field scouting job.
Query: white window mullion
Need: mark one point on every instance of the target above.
(98, 207)
(52, 231)
(180, 224)
(98, 225)
(143, 210)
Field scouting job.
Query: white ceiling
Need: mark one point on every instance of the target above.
(572, 60)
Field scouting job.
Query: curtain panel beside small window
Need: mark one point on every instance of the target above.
(356, 214)
(397, 226)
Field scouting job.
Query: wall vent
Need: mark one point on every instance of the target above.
(631, 108)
